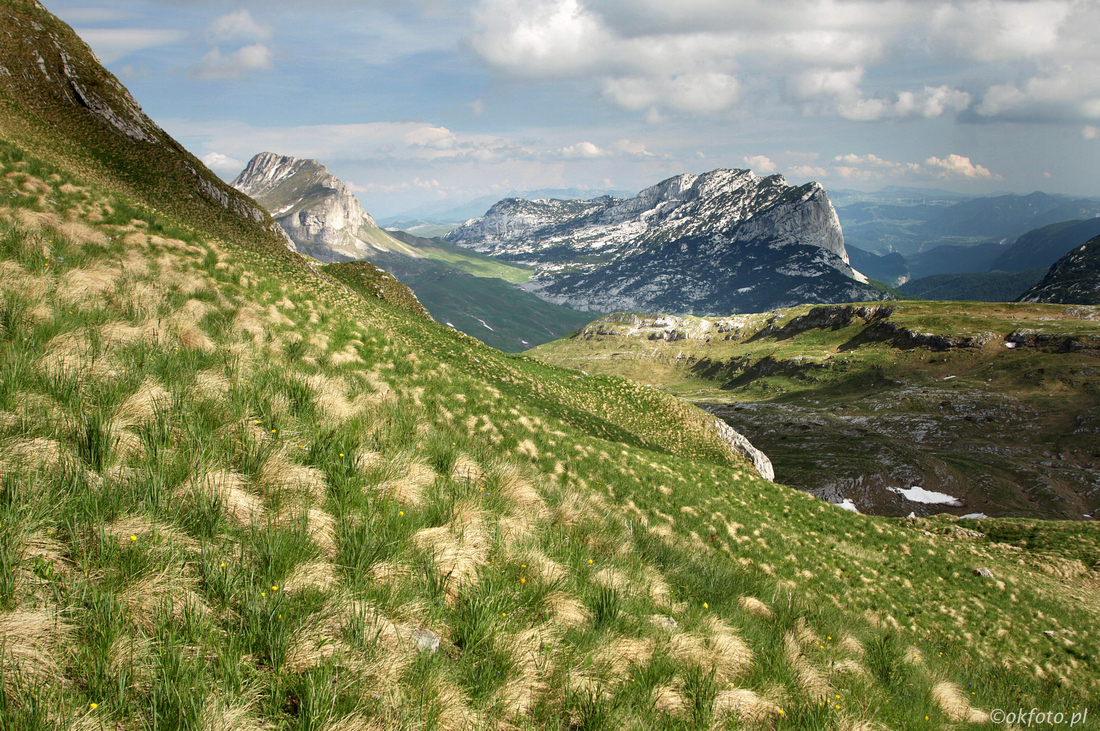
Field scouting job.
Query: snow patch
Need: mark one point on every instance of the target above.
(975, 516)
(484, 324)
(847, 504)
(917, 494)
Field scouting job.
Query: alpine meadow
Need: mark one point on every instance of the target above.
(241, 489)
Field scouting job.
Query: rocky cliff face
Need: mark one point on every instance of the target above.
(1072, 280)
(723, 242)
(317, 210)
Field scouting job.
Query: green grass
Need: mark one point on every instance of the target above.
(234, 490)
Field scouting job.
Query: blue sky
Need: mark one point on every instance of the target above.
(447, 100)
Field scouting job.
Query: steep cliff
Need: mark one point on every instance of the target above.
(1072, 280)
(317, 210)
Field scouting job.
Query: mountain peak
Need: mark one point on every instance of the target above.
(679, 246)
(316, 209)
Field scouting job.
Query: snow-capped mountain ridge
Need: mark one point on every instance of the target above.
(695, 233)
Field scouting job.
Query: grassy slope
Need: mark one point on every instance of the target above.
(226, 474)
(476, 294)
(489, 309)
(985, 287)
(466, 260)
(187, 427)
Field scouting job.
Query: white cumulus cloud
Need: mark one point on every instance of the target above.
(957, 166)
(237, 25)
(1033, 59)
(760, 164)
(583, 150)
(222, 164)
(214, 65)
(808, 171)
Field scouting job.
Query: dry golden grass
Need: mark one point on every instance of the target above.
(729, 655)
(240, 506)
(618, 654)
(31, 288)
(247, 320)
(528, 448)
(169, 590)
(36, 220)
(219, 714)
(79, 286)
(34, 454)
(279, 474)
(529, 650)
(745, 705)
(139, 531)
(278, 318)
(343, 357)
(132, 655)
(119, 333)
(38, 548)
(358, 722)
(72, 355)
(387, 572)
(311, 575)
(136, 239)
(323, 638)
(955, 705)
(756, 607)
(322, 531)
(669, 700)
(408, 477)
(30, 649)
(81, 234)
(459, 548)
(468, 471)
(517, 489)
(812, 681)
(211, 385)
(143, 404)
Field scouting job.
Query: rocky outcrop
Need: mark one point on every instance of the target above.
(317, 210)
(1072, 280)
(724, 242)
(740, 444)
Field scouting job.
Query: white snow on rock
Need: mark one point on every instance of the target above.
(917, 494)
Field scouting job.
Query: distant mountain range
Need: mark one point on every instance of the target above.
(723, 242)
(955, 265)
(447, 213)
(909, 225)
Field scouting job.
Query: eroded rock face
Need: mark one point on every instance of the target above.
(724, 242)
(316, 209)
(1072, 280)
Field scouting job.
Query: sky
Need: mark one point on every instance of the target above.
(422, 102)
